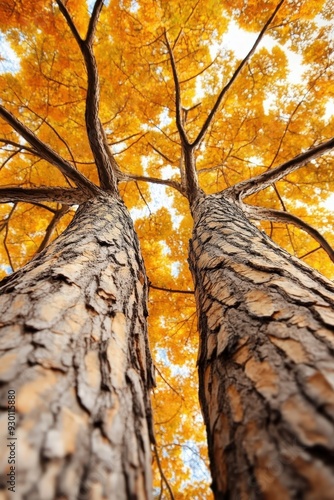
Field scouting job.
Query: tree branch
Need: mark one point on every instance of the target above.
(260, 213)
(93, 21)
(44, 120)
(124, 177)
(178, 105)
(171, 290)
(52, 224)
(220, 97)
(18, 146)
(169, 160)
(66, 196)
(69, 21)
(190, 177)
(47, 153)
(107, 177)
(262, 181)
(4, 226)
(162, 475)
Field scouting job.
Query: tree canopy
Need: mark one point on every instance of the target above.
(256, 116)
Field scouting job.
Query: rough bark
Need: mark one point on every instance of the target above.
(266, 367)
(75, 351)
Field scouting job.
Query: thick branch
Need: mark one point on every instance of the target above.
(93, 21)
(262, 181)
(220, 97)
(191, 176)
(69, 21)
(260, 213)
(47, 153)
(104, 167)
(65, 196)
(178, 105)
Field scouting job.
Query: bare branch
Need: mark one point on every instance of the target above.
(220, 97)
(200, 72)
(309, 253)
(163, 477)
(54, 221)
(69, 21)
(5, 227)
(94, 128)
(280, 216)
(154, 180)
(93, 21)
(66, 196)
(18, 145)
(47, 153)
(262, 181)
(190, 177)
(171, 290)
(44, 120)
(178, 105)
(161, 154)
(143, 197)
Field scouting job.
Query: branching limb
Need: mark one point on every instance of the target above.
(66, 196)
(162, 475)
(178, 104)
(262, 181)
(220, 97)
(107, 176)
(49, 230)
(93, 21)
(154, 180)
(47, 153)
(260, 213)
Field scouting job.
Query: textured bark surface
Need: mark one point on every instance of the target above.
(266, 361)
(74, 348)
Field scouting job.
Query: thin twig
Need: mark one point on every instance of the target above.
(163, 477)
(220, 97)
(52, 224)
(171, 290)
(262, 181)
(154, 180)
(280, 216)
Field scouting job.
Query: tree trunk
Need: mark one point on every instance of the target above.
(76, 363)
(266, 367)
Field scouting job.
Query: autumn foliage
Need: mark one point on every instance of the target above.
(275, 106)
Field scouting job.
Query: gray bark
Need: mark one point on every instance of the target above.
(266, 360)
(74, 349)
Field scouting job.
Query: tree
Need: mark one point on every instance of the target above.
(175, 102)
(76, 366)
